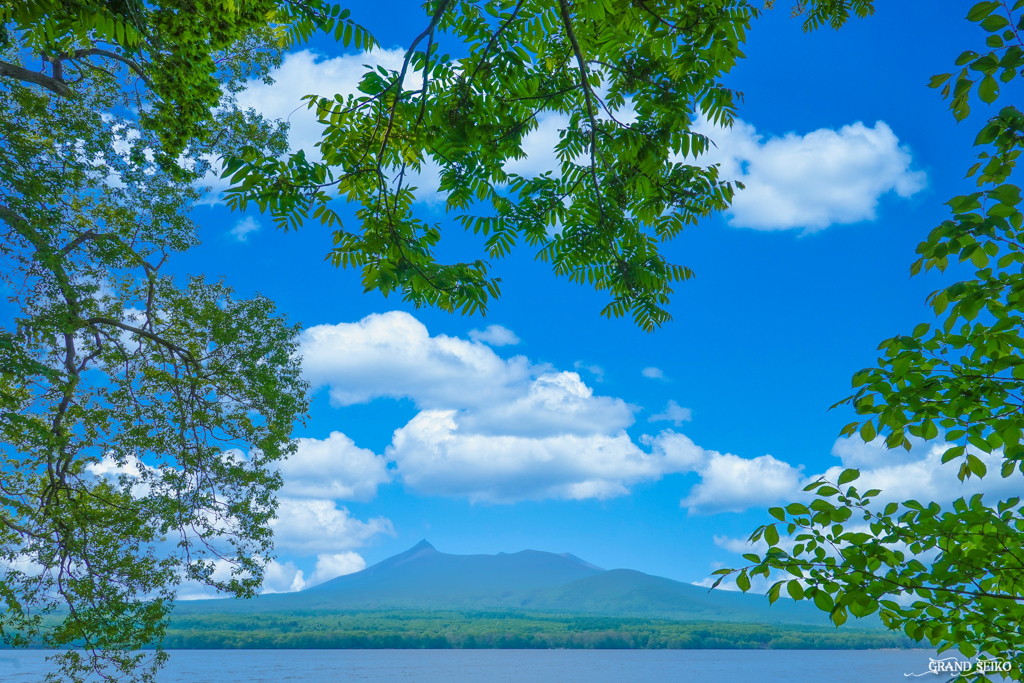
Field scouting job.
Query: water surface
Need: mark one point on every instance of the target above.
(518, 666)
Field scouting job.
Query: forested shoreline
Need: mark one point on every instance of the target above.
(503, 630)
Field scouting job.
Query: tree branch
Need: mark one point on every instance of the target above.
(588, 96)
(130, 63)
(55, 86)
(143, 333)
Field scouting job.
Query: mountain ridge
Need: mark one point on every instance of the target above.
(423, 578)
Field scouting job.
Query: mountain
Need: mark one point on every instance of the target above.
(422, 578)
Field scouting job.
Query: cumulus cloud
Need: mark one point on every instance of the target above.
(811, 181)
(920, 473)
(673, 413)
(333, 468)
(277, 578)
(731, 483)
(495, 335)
(434, 456)
(728, 483)
(282, 578)
(393, 355)
(308, 526)
(502, 430)
(244, 227)
(652, 373)
(333, 565)
(488, 429)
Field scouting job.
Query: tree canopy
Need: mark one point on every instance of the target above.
(140, 417)
(630, 80)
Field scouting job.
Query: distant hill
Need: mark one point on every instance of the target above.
(422, 578)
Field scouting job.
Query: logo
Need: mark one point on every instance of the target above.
(960, 667)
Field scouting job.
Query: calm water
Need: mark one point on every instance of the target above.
(518, 666)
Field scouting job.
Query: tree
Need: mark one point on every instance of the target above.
(630, 78)
(953, 577)
(179, 49)
(140, 418)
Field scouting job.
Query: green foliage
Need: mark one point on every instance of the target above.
(140, 418)
(175, 48)
(964, 375)
(500, 629)
(953, 577)
(630, 78)
(962, 566)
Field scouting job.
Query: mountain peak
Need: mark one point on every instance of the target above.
(570, 556)
(423, 545)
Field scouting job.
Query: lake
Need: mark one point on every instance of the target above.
(518, 666)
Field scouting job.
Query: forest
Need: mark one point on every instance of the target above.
(512, 630)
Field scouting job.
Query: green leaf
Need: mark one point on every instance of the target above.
(995, 22)
(976, 466)
(848, 475)
(988, 89)
(795, 590)
(982, 10)
(777, 513)
(771, 535)
(867, 432)
(743, 582)
(966, 57)
(951, 453)
(823, 601)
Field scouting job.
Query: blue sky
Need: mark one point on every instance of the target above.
(546, 426)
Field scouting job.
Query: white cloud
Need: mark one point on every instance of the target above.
(919, 474)
(277, 578)
(730, 483)
(333, 468)
(596, 370)
(243, 227)
(673, 413)
(333, 565)
(539, 147)
(393, 355)
(811, 181)
(306, 73)
(434, 456)
(307, 526)
(489, 429)
(735, 545)
(495, 335)
(282, 578)
(652, 373)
